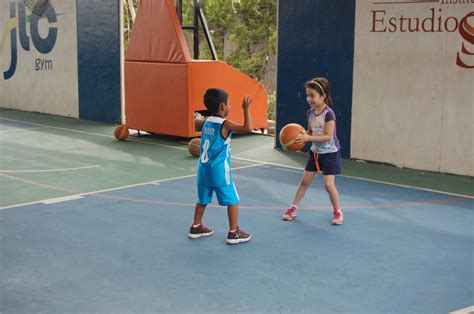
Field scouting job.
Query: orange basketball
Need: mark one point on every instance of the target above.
(121, 132)
(194, 147)
(288, 136)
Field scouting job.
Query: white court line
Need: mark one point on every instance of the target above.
(357, 178)
(252, 160)
(61, 199)
(79, 195)
(467, 310)
(23, 122)
(49, 170)
(21, 129)
(102, 135)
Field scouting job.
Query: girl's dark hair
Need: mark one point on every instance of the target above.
(321, 86)
(213, 98)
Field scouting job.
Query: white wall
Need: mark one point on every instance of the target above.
(412, 104)
(48, 90)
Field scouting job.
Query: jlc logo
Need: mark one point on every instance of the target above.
(19, 21)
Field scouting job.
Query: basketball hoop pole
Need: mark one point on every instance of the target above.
(122, 64)
(198, 15)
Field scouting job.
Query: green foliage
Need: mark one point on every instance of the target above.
(220, 17)
(187, 12)
(272, 105)
(249, 25)
(126, 25)
(127, 21)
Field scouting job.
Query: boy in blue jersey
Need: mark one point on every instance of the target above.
(213, 174)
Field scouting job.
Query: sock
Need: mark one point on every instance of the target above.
(195, 226)
(337, 210)
(294, 206)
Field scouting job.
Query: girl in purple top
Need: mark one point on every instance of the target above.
(324, 155)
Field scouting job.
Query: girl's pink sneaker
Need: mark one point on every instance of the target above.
(289, 214)
(338, 217)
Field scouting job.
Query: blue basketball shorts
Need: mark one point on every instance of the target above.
(328, 164)
(226, 195)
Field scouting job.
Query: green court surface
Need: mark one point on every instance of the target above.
(41, 151)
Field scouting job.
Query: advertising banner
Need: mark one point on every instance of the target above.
(413, 92)
(38, 56)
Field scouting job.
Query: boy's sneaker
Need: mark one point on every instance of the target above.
(338, 217)
(199, 231)
(238, 236)
(289, 214)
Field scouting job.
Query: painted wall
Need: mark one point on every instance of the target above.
(315, 38)
(65, 62)
(413, 96)
(401, 73)
(99, 60)
(38, 58)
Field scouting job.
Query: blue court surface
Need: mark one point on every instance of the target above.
(401, 250)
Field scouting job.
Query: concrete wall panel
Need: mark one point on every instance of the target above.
(412, 103)
(44, 51)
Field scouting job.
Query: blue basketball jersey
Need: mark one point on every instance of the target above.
(214, 162)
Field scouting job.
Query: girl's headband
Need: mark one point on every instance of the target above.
(320, 86)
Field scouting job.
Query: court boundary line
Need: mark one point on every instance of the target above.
(363, 179)
(79, 194)
(8, 119)
(48, 170)
(21, 129)
(62, 199)
(465, 310)
(247, 159)
(101, 135)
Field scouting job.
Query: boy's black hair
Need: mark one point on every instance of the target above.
(213, 98)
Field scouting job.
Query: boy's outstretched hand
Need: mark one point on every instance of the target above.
(246, 102)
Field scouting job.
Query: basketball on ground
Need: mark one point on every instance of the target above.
(288, 136)
(121, 132)
(194, 147)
